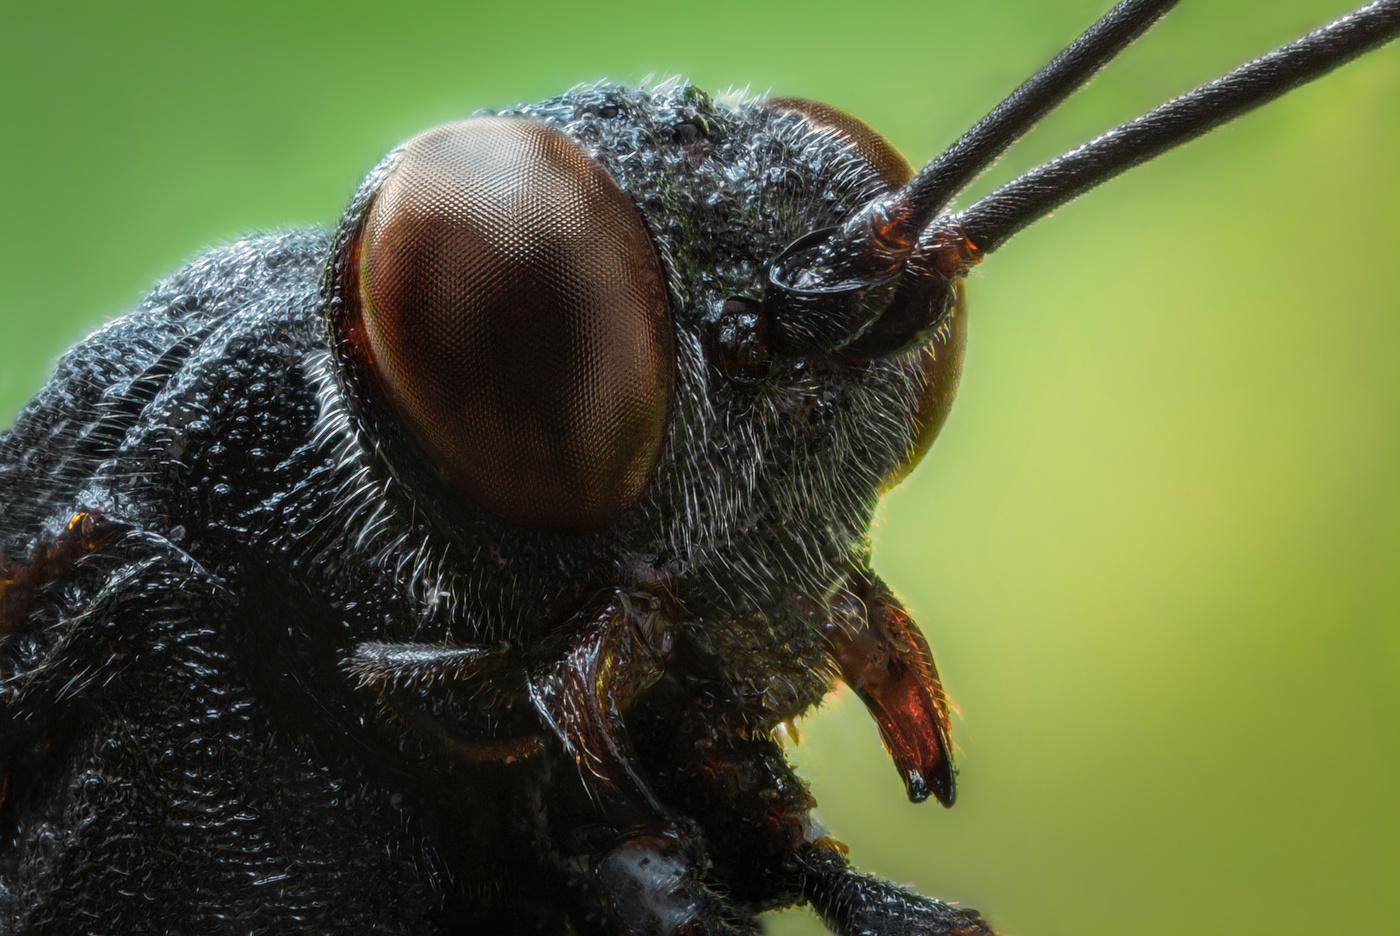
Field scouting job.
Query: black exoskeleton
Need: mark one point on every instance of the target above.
(227, 699)
(451, 572)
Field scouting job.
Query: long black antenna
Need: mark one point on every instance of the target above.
(817, 283)
(930, 191)
(991, 221)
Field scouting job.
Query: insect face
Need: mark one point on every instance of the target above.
(767, 478)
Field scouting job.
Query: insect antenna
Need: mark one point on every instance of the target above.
(992, 220)
(816, 286)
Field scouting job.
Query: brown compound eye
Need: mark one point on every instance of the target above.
(515, 313)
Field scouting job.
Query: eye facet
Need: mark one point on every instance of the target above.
(515, 314)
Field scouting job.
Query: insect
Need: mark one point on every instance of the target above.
(387, 668)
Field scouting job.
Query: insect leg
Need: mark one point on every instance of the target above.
(854, 904)
(765, 849)
(23, 583)
(647, 875)
(389, 665)
(400, 673)
(582, 693)
(652, 885)
(39, 679)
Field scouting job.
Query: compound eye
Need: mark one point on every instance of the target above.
(515, 313)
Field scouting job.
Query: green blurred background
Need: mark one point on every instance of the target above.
(1157, 549)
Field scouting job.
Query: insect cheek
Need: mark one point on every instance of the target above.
(513, 313)
(940, 363)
